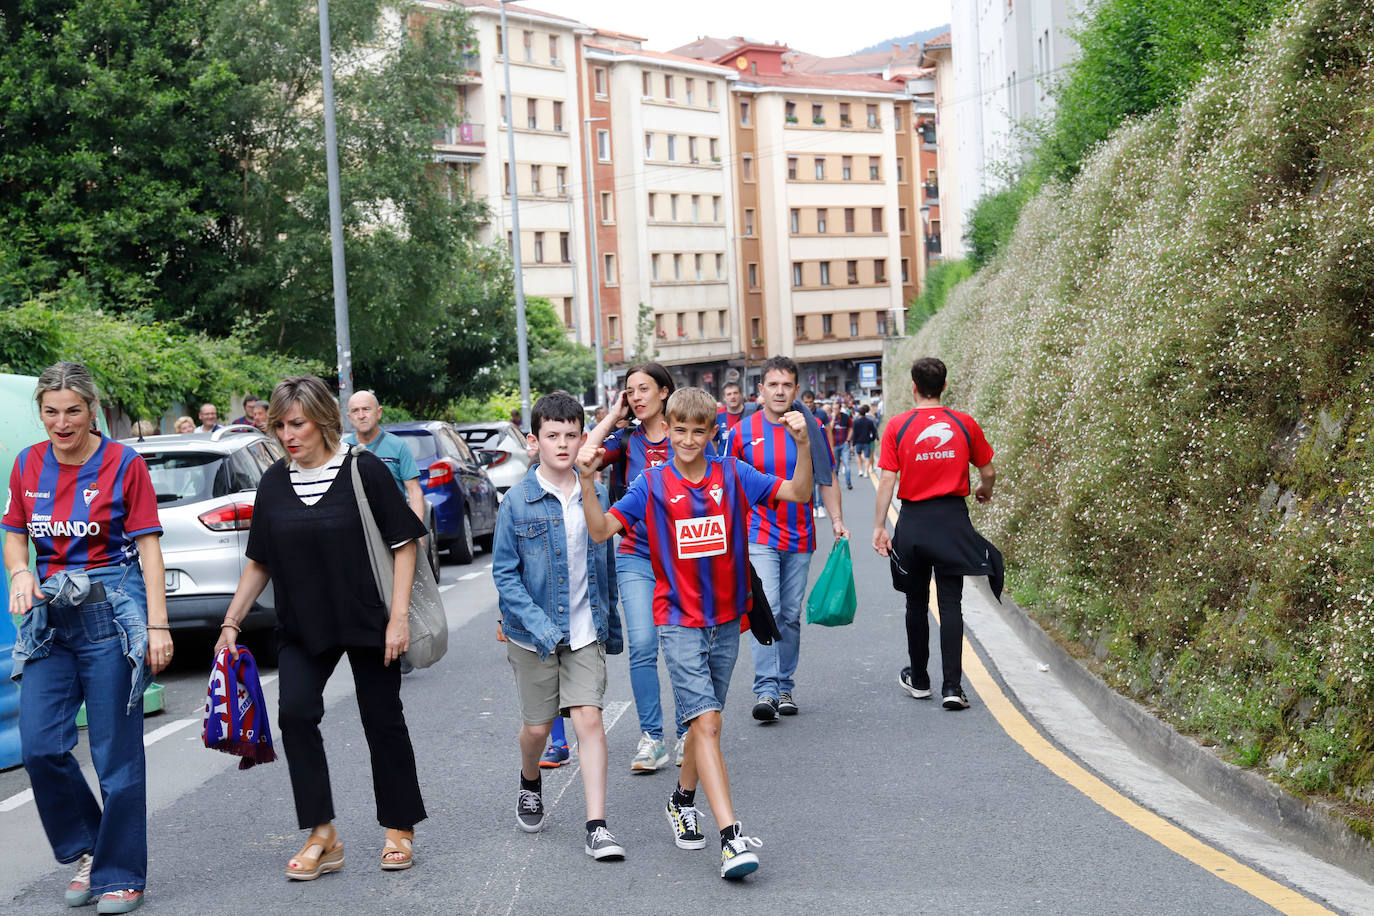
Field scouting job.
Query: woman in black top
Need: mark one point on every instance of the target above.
(307, 539)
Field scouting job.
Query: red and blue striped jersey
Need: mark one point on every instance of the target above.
(768, 447)
(631, 453)
(696, 535)
(726, 424)
(81, 516)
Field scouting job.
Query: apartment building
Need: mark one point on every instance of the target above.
(939, 56)
(662, 182)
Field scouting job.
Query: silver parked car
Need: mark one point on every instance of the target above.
(500, 448)
(206, 486)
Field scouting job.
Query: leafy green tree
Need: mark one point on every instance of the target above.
(941, 278)
(992, 220)
(555, 361)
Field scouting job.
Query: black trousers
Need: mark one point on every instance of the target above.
(949, 593)
(302, 677)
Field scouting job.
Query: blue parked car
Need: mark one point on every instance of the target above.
(463, 497)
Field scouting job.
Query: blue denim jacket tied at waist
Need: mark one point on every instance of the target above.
(530, 567)
(124, 593)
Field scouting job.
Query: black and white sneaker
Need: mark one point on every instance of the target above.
(954, 698)
(737, 859)
(786, 705)
(686, 829)
(766, 709)
(529, 811)
(910, 686)
(602, 845)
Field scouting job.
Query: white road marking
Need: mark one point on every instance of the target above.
(170, 728)
(14, 801)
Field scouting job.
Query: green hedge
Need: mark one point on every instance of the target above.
(1174, 358)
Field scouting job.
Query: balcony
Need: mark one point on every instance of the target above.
(932, 244)
(932, 192)
(460, 135)
(471, 65)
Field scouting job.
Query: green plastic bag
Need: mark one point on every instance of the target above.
(833, 601)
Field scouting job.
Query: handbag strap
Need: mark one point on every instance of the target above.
(377, 553)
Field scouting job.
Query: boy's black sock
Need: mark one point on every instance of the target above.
(682, 798)
(729, 833)
(532, 785)
(592, 825)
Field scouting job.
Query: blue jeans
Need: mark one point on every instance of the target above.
(635, 577)
(700, 661)
(86, 661)
(783, 575)
(842, 454)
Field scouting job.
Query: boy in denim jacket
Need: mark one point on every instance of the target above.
(557, 588)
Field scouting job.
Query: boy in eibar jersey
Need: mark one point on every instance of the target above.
(696, 511)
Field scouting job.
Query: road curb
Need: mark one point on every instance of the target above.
(1310, 825)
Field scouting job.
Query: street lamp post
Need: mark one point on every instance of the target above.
(521, 338)
(342, 342)
(593, 219)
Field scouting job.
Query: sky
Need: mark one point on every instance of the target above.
(670, 25)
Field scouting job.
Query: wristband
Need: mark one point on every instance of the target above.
(16, 571)
(235, 627)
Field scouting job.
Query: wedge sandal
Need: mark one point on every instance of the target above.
(397, 853)
(316, 857)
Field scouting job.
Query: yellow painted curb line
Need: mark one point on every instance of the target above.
(1020, 730)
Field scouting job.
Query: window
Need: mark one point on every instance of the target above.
(792, 168)
(822, 219)
(877, 219)
(648, 86)
(653, 266)
(874, 168)
(872, 116)
(536, 178)
(715, 149)
(935, 228)
(599, 81)
(558, 116)
(901, 219)
(607, 208)
(672, 148)
(672, 202)
(906, 270)
(510, 243)
(648, 145)
(799, 327)
(753, 275)
(539, 248)
(721, 325)
(897, 118)
(848, 219)
(553, 50)
(795, 218)
(879, 270)
(697, 266)
(844, 115)
(692, 150)
(748, 221)
(789, 113)
(901, 170)
(532, 113)
(668, 89)
(505, 177)
(882, 324)
(503, 111)
(564, 248)
(819, 163)
(711, 94)
(701, 324)
(567, 311)
(500, 42)
(529, 47)
(696, 208)
(610, 269)
(715, 209)
(613, 327)
(746, 167)
(744, 112)
(827, 326)
(846, 167)
(796, 273)
(658, 326)
(603, 145)
(853, 324)
(688, 88)
(681, 325)
(756, 329)
(825, 273)
(562, 175)
(720, 267)
(817, 113)
(852, 272)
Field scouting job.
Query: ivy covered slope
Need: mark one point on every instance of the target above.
(1173, 359)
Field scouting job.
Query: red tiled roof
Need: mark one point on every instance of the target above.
(939, 41)
(872, 62)
(708, 48)
(660, 55)
(823, 81)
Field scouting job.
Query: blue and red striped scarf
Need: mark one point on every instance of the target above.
(235, 713)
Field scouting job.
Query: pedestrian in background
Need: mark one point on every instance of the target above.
(925, 455)
(841, 436)
(184, 425)
(144, 428)
(557, 636)
(365, 413)
(249, 402)
(865, 434)
(209, 418)
(258, 416)
(93, 628)
(307, 539)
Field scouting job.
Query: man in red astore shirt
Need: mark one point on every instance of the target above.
(925, 456)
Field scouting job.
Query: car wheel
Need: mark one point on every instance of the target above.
(461, 548)
(432, 552)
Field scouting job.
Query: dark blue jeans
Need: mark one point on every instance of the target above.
(86, 661)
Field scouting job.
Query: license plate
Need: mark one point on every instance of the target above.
(173, 580)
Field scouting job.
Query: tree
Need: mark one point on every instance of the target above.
(556, 363)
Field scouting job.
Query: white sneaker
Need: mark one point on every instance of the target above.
(820, 512)
(650, 755)
(680, 750)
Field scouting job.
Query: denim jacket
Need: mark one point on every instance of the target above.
(124, 591)
(530, 566)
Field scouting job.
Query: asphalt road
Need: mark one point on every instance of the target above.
(867, 802)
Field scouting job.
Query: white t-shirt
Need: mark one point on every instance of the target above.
(581, 623)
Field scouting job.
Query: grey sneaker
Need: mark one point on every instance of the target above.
(910, 686)
(680, 750)
(529, 811)
(786, 705)
(650, 755)
(766, 709)
(737, 859)
(602, 845)
(686, 830)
